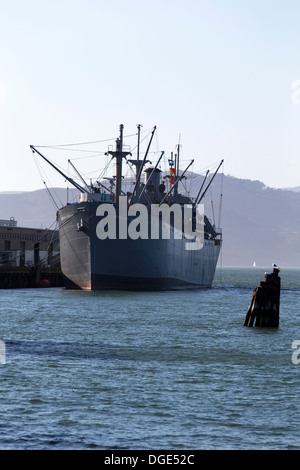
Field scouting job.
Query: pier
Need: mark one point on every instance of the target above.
(29, 257)
(23, 277)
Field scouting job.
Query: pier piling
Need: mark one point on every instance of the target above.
(20, 278)
(263, 310)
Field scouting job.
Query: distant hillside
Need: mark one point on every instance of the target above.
(34, 208)
(259, 224)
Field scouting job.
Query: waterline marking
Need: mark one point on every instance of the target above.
(186, 220)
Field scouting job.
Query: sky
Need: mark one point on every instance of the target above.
(220, 76)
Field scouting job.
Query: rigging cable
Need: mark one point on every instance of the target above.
(57, 146)
(221, 196)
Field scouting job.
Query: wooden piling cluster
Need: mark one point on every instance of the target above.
(265, 302)
(18, 278)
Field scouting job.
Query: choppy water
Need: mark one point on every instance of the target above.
(168, 370)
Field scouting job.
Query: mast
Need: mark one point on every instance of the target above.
(177, 166)
(140, 166)
(138, 162)
(149, 179)
(138, 145)
(119, 158)
(176, 183)
(119, 155)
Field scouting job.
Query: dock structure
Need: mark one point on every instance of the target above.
(27, 247)
(29, 257)
(263, 310)
(20, 278)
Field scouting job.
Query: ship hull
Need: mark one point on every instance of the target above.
(92, 264)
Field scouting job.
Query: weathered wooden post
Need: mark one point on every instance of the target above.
(265, 302)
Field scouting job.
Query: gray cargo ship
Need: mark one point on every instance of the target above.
(106, 239)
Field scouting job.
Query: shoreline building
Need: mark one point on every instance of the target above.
(27, 247)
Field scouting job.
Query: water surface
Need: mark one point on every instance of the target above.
(154, 370)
